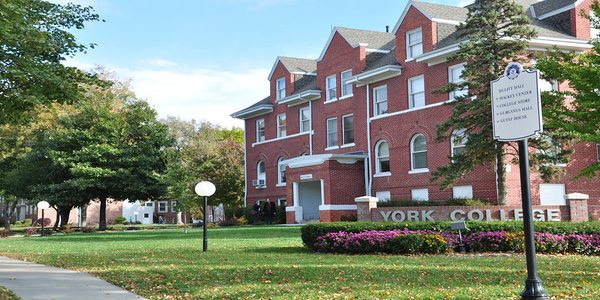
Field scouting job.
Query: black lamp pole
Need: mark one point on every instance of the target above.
(43, 222)
(205, 241)
(533, 285)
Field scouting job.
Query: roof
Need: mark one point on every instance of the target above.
(295, 65)
(358, 37)
(376, 60)
(439, 11)
(304, 83)
(264, 104)
(544, 7)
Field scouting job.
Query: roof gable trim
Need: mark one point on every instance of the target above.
(333, 32)
(558, 11)
(405, 12)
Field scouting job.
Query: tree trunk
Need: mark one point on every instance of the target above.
(65, 212)
(57, 220)
(501, 176)
(102, 222)
(83, 216)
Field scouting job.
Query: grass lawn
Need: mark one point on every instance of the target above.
(270, 262)
(7, 295)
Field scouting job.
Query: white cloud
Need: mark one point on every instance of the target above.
(201, 94)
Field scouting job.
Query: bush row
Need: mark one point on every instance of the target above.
(428, 242)
(311, 232)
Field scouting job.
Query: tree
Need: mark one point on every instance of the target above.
(34, 40)
(582, 114)
(109, 146)
(205, 152)
(495, 33)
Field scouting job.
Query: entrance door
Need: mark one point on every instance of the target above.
(309, 194)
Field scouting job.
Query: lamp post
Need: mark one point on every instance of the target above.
(43, 205)
(205, 189)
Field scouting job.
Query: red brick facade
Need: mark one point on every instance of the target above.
(345, 179)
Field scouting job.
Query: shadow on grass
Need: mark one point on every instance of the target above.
(284, 249)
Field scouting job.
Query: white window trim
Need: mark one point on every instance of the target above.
(378, 172)
(346, 96)
(300, 119)
(258, 131)
(278, 88)
(328, 97)
(348, 145)
(410, 92)
(258, 173)
(279, 133)
(421, 189)
(414, 170)
(409, 55)
(283, 138)
(453, 136)
(387, 199)
(279, 178)
(451, 95)
(330, 146)
(166, 206)
(279, 201)
(173, 206)
(344, 144)
(375, 89)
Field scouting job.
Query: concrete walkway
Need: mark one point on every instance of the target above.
(38, 282)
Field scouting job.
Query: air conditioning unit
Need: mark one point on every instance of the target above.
(258, 182)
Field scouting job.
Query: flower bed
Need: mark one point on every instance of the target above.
(405, 241)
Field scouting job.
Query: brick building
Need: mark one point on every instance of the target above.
(361, 118)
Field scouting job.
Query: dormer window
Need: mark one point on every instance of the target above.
(414, 43)
(331, 84)
(280, 87)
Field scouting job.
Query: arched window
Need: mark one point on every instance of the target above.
(281, 171)
(261, 174)
(382, 157)
(458, 141)
(418, 153)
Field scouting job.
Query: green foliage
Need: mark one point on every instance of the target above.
(119, 220)
(311, 232)
(418, 244)
(495, 33)
(205, 152)
(582, 116)
(35, 38)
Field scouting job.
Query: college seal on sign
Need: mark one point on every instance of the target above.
(513, 70)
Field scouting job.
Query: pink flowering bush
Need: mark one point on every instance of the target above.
(31, 231)
(588, 244)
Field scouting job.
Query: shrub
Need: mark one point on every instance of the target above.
(25, 222)
(280, 217)
(125, 223)
(487, 242)
(551, 243)
(68, 228)
(30, 231)
(119, 220)
(4, 233)
(349, 218)
(137, 222)
(418, 244)
(47, 222)
(88, 229)
(584, 244)
(133, 228)
(449, 202)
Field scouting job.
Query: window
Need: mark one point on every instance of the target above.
(173, 206)
(594, 32)
(348, 128)
(414, 43)
(419, 194)
(162, 206)
(552, 194)
(346, 87)
(418, 151)
(261, 174)
(416, 92)
(280, 86)
(281, 125)
(380, 99)
(382, 157)
(332, 132)
(304, 119)
(462, 192)
(149, 204)
(146, 215)
(260, 130)
(455, 76)
(458, 141)
(281, 171)
(331, 84)
(383, 196)
(282, 202)
(598, 150)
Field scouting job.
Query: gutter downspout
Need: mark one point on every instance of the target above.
(369, 182)
(245, 171)
(310, 129)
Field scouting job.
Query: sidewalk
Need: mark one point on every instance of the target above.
(33, 281)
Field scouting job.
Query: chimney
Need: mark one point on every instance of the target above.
(387, 28)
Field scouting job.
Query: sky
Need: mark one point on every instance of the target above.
(205, 59)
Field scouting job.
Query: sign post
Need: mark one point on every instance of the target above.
(516, 116)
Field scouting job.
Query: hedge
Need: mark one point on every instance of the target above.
(311, 232)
